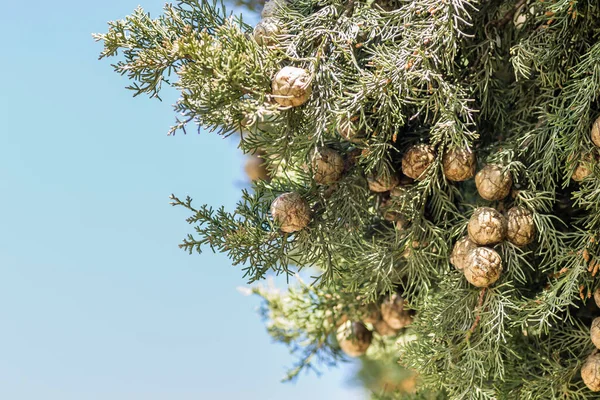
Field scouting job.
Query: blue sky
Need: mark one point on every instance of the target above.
(96, 300)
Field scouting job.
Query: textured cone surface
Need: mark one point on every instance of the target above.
(595, 332)
(459, 164)
(401, 223)
(327, 165)
(521, 228)
(487, 226)
(354, 338)
(266, 31)
(483, 267)
(347, 130)
(416, 161)
(383, 329)
(270, 8)
(394, 314)
(461, 248)
(596, 132)
(390, 215)
(292, 86)
(371, 314)
(382, 183)
(584, 168)
(590, 372)
(581, 172)
(493, 184)
(399, 192)
(291, 212)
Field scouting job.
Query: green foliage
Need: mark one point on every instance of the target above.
(515, 81)
(303, 320)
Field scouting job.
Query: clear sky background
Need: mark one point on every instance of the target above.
(96, 299)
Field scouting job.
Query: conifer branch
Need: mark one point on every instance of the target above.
(523, 96)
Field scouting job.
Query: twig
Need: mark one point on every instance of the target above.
(507, 17)
(349, 8)
(478, 316)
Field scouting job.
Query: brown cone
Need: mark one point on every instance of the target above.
(460, 250)
(492, 183)
(382, 183)
(590, 372)
(487, 226)
(292, 86)
(256, 169)
(459, 164)
(483, 267)
(327, 165)
(584, 168)
(291, 212)
(596, 132)
(417, 160)
(383, 329)
(347, 130)
(595, 332)
(394, 314)
(354, 338)
(521, 227)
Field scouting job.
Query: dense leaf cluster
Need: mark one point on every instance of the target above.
(515, 81)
